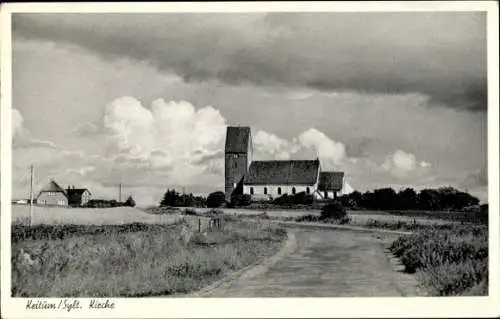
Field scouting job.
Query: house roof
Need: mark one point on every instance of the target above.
(52, 186)
(237, 139)
(331, 181)
(304, 172)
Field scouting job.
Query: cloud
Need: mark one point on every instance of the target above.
(131, 125)
(331, 152)
(86, 129)
(268, 145)
(402, 163)
(478, 178)
(360, 147)
(81, 171)
(310, 144)
(165, 136)
(396, 52)
(425, 164)
(22, 137)
(34, 143)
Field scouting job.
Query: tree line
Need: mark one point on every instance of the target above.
(444, 198)
(173, 199)
(104, 203)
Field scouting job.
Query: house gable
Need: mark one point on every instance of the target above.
(331, 181)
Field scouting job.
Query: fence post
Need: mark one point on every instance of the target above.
(199, 225)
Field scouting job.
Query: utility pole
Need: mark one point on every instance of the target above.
(120, 193)
(31, 195)
(183, 196)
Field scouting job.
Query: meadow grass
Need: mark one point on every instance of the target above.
(88, 216)
(448, 262)
(132, 260)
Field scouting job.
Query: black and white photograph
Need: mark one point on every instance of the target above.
(257, 154)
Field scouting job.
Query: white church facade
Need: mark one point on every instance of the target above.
(272, 179)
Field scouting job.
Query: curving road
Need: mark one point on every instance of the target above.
(329, 263)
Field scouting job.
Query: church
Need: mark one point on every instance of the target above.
(272, 179)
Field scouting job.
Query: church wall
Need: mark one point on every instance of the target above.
(272, 190)
(330, 194)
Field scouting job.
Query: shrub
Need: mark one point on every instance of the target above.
(452, 279)
(263, 215)
(333, 210)
(298, 199)
(240, 200)
(216, 199)
(245, 200)
(449, 261)
(308, 218)
(345, 220)
(129, 202)
(162, 210)
(190, 211)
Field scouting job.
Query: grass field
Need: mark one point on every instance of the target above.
(132, 252)
(358, 218)
(87, 216)
(132, 260)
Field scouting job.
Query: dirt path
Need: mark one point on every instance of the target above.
(329, 263)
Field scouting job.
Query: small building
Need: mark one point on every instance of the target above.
(330, 184)
(55, 195)
(78, 196)
(52, 195)
(20, 201)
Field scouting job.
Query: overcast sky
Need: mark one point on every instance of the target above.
(392, 99)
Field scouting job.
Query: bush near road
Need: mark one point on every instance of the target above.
(447, 261)
(333, 212)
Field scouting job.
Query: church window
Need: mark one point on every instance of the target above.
(279, 190)
(265, 190)
(293, 190)
(308, 190)
(251, 190)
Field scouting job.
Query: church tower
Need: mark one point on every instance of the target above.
(238, 156)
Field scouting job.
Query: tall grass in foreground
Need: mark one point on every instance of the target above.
(132, 260)
(448, 262)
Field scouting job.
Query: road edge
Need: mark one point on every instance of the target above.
(250, 271)
(340, 227)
